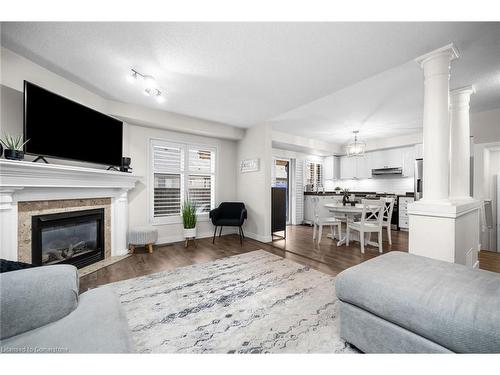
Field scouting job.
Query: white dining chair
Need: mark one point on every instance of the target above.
(322, 219)
(387, 216)
(371, 222)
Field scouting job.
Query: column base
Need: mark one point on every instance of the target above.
(448, 232)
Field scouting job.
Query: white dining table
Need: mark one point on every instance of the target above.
(350, 212)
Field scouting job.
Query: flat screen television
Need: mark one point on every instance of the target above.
(61, 128)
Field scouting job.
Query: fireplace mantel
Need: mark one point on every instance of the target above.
(28, 181)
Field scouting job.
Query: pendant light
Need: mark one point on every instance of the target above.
(355, 148)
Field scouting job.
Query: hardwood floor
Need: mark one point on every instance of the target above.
(298, 246)
(489, 261)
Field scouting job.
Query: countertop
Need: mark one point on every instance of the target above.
(358, 193)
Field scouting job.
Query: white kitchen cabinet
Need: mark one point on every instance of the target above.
(331, 166)
(403, 211)
(363, 169)
(309, 206)
(347, 167)
(409, 161)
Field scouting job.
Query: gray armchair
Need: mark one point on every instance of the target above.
(41, 308)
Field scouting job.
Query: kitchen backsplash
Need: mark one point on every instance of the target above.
(398, 185)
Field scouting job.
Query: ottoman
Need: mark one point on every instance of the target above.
(142, 236)
(403, 303)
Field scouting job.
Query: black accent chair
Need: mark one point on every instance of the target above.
(229, 214)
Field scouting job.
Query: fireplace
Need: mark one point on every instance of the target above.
(75, 237)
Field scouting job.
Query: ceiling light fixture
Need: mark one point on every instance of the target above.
(149, 84)
(355, 148)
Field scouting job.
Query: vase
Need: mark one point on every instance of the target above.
(190, 232)
(14, 154)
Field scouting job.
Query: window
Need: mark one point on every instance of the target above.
(179, 172)
(314, 173)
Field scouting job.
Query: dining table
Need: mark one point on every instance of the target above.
(350, 212)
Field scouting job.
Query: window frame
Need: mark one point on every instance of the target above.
(184, 173)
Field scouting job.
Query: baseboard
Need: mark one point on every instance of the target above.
(258, 237)
(180, 237)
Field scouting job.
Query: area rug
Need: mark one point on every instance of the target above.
(251, 303)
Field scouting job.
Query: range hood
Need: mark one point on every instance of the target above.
(387, 171)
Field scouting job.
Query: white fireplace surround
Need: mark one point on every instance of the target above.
(27, 181)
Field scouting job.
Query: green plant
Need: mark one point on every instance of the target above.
(189, 215)
(13, 143)
(338, 188)
(345, 192)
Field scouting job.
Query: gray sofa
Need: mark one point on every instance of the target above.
(403, 303)
(41, 311)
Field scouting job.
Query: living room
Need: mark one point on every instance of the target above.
(219, 188)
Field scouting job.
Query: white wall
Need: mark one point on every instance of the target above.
(485, 126)
(15, 69)
(254, 188)
(137, 145)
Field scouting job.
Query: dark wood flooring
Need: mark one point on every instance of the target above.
(299, 247)
(489, 261)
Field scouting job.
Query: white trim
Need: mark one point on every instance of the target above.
(185, 146)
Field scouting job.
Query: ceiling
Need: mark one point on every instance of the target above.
(318, 80)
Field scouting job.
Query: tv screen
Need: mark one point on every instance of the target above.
(60, 128)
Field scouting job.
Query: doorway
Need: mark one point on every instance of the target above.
(281, 169)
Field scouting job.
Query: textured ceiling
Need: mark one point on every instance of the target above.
(353, 75)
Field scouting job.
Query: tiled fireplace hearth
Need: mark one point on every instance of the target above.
(57, 199)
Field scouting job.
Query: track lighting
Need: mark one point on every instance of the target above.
(149, 84)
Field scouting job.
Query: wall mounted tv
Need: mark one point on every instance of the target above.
(60, 128)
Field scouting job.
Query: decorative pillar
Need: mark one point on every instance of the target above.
(436, 132)
(460, 144)
(119, 223)
(8, 224)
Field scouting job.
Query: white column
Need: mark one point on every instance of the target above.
(460, 143)
(8, 224)
(119, 224)
(436, 132)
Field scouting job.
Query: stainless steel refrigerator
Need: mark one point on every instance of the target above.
(419, 179)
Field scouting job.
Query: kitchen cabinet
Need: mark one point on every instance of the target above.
(403, 203)
(409, 161)
(331, 167)
(419, 151)
(347, 167)
(309, 205)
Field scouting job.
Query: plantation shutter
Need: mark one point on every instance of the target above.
(168, 168)
(200, 181)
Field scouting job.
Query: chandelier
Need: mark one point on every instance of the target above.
(355, 148)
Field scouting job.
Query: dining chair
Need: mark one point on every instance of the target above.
(371, 222)
(387, 216)
(321, 219)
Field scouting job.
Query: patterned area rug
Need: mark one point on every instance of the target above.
(251, 303)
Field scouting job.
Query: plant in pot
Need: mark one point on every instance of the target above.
(345, 196)
(189, 220)
(13, 147)
(338, 189)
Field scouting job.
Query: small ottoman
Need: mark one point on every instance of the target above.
(146, 236)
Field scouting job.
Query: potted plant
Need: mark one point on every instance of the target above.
(338, 189)
(13, 147)
(345, 198)
(189, 219)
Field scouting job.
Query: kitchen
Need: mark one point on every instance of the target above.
(377, 173)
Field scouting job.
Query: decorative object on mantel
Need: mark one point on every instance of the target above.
(345, 198)
(142, 236)
(125, 167)
(355, 148)
(13, 146)
(189, 221)
(250, 165)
